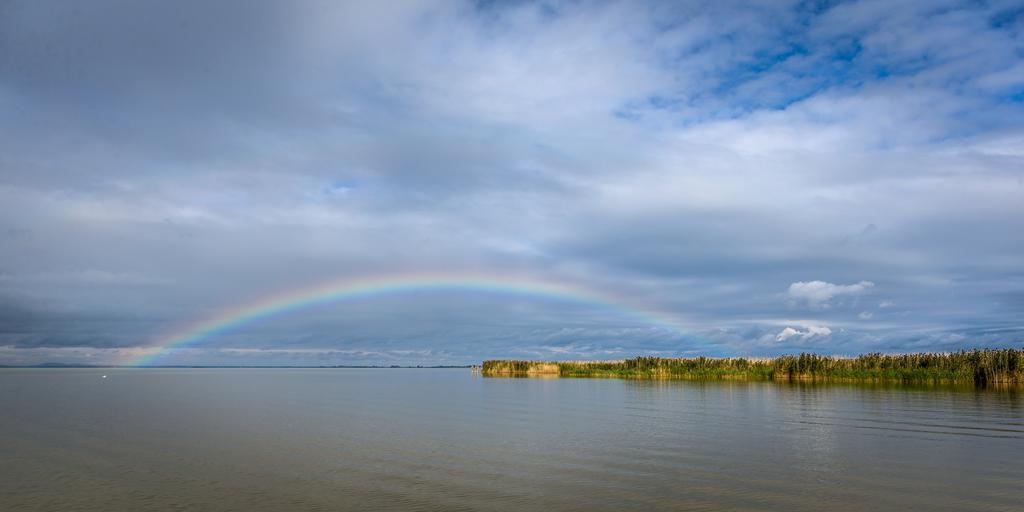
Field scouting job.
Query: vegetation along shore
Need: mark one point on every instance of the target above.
(982, 367)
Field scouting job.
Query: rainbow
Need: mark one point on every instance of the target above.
(349, 290)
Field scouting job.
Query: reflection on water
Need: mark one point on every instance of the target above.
(363, 439)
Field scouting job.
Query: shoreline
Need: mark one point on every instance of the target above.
(995, 367)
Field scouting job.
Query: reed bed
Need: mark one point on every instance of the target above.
(982, 367)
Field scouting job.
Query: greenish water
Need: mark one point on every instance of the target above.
(431, 439)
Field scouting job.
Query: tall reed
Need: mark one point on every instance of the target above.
(982, 367)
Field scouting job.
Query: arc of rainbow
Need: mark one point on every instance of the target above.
(347, 290)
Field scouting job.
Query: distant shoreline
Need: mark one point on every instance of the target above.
(59, 365)
(980, 367)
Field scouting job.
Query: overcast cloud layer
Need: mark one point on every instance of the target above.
(788, 177)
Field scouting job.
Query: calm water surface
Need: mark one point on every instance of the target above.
(347, 439)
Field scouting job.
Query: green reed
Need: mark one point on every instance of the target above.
(982, 367)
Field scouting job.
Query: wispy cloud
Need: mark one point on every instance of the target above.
(819, 294)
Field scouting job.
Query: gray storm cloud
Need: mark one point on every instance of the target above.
(769, 176)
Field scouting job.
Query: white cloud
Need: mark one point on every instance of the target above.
(786, 333)
(818, 294)
(865, 315)
(809, 332)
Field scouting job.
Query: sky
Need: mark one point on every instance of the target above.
(759, 178)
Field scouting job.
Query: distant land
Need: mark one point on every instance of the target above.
(64, 365)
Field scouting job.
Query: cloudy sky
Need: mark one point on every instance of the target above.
(836, 177)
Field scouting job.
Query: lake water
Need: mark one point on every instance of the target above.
(446, 439)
